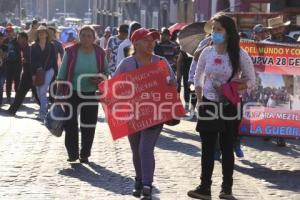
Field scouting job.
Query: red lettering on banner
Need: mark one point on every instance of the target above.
(273, 58)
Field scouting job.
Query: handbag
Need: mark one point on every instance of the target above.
(39, 77)
(54, 120)
(40, 72)
(230, 92)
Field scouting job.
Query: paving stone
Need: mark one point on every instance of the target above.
(33, 165)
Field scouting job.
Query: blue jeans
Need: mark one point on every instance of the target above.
(142, 145)
(42, 92)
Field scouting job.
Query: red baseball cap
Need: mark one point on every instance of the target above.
(142, 33)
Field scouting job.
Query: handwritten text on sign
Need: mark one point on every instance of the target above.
(140, 99)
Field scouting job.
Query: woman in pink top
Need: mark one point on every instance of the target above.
(218, 64)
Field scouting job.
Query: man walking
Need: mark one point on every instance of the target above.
(26, 79)
(113, 45)
(13, 62)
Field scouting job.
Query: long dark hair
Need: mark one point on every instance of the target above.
(233, 40)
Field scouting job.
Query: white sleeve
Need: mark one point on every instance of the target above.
(120, 54)
(199, 74)
(247, 69)
(192, 71)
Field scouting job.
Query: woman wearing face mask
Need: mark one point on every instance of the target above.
(218, 64)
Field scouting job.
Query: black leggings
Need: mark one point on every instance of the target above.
(227, 139)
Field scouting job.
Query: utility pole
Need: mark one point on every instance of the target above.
(90, 14)
(20, 11)
(47, 10)
(65, 7)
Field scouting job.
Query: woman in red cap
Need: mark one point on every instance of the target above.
(143, 142)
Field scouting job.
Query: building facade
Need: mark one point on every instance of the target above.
(45, 9)
(151, 14)
(185, 10)
(204, 9)
(48, 9)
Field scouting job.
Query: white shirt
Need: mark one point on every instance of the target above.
(120, 54)
(215, 69)
(202, 44)
(103, 42)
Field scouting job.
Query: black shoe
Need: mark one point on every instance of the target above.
(72, 159)
(10, 113)
(83, 160)
(200, 192)
(7, 113)
(226, 194)
(281, 142)
(146, 193)
(138, 186)
(8, 100)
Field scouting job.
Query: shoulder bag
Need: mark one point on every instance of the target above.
(40, 72)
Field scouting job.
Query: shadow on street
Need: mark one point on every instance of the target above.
(100, 177)
(280, 179)
(172, 144)
(292, 149)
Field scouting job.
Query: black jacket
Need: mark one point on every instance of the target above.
(45, 59)
(16, 50)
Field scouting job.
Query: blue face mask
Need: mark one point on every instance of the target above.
(217, 37)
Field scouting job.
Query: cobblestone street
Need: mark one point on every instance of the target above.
(33, 165)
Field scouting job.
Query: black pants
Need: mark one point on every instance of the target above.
(227, 140)
(54, 87)
(187, 93)
(193, 97)
(186, 89)
(2, 81)
(88, 119)
(24, 86)
(13, 73)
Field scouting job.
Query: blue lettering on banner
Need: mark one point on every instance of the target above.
(256, 130)
(244, 129)
(282, 130)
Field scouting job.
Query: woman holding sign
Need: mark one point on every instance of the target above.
(82, 66)
(222, 64)
(143, 142)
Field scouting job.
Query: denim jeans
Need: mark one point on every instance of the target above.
(42, 92)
